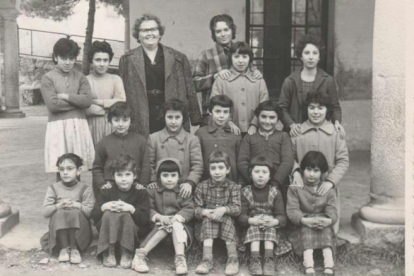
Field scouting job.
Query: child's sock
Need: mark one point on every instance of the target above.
(328, 257)
(231, 250)
(255, 254)
(268, 253)
(308, 260)
(207, 252)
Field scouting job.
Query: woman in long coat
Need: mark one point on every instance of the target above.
(153, 74)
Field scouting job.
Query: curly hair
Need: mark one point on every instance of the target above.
(100, 47)
(310, 39)
(123, 162)
(222, 18)
(320, 98)
(65, 47)
(146, 17)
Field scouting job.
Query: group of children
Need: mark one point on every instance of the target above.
(239, 178)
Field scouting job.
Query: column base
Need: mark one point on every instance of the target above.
(9, 222)
(384, 210)
(12, 113)
(378, 235)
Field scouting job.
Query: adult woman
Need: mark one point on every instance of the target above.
(214, 62)
(310, 50)
(154, 73)
(106, 88)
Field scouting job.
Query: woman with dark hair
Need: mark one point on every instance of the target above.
(153, 74)
(214, 62)
(106, 88)
(66, 93)
(311, 78)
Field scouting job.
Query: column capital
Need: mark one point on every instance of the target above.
(9, 14)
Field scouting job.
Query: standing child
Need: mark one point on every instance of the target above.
(313, 213)
(243, 88)
(66, 93)
(275, 145)
(121, 213)
(263, 212)
(171, 213)
(217, 201)
(218, 136)
(174, 141)
(121, 141)
(68, 204)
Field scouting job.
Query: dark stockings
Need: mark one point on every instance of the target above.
(66, 238)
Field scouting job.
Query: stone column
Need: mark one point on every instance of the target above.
(383, 217)
(127, 39)
(11, 64)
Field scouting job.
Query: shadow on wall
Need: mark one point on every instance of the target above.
(353, 84)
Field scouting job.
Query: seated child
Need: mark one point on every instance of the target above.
(217, 201)
(313, 213)
(171, 213)
(268, 141)
(121, 213)
(121, 141)
(218, 136)
(174, 141)
(318, 133)
(263, 212)
(243, 88)
(68, 204)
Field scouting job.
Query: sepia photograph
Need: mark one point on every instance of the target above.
(193, 137)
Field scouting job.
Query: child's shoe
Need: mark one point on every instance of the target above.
(205, 266)
(139, 263)
(64, 255)
(232, 266)
(126, 258)
(109, 257)
(310, 271)
(255, 266)
(269, 266)
(180, 265)
(329, 271)
(75, 257)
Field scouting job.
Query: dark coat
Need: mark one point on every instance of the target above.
(289, 100)
(178, 84)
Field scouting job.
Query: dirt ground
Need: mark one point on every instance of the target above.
(23, 184)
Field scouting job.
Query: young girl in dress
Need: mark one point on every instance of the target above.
(121, 213)
(106, 88)
(67, 93)
(243, 88)
(313, 214)
(263, 213)
(68, 204)
(171, 213)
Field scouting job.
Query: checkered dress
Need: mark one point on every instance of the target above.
(254, 233)
(210, 196)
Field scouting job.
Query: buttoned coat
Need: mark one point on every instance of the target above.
(178, 84)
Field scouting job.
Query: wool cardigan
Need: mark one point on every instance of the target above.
(292, 107)
(178, 84)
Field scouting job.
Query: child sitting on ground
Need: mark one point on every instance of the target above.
(218, 136)
(217, 201)
(171, 213)
(68, 204)
(121, 141)
(263, 212)
(313, 213)
(121, 213)
(174, 141)
(243, 88)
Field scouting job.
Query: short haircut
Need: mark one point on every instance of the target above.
(269, 105)
(119, 109)
(177, 105)
(123, 162)
(65, 47)
(146, 17)
(314, 159)
(310, 39)
(241, 48)
(72, 157)
(222, 18)
(320, 98)
(261, 161)
(100, 47)
(219, 156)
(221, 100)
(168, 166)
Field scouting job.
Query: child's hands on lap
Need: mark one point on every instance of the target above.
(252, 130)
(107, 185)
(178, 218)
(324, 222)
(256, 221)
(152, 185)
(325, 187)
(185, 189)
(234, 129)
(269, 221)
(297, 180)
(208, 213)
(218, 213)
(165, 220)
